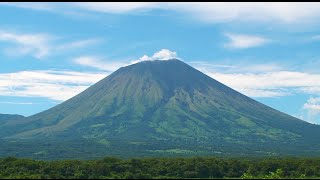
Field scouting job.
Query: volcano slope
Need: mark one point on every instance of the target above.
(159, 108)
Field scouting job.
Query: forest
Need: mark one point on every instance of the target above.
(156, 168)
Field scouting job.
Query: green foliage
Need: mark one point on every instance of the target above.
(159, 168)
(247, 176)
(275, 175)
(272, 175)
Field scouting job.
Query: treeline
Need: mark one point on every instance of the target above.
(160, 168)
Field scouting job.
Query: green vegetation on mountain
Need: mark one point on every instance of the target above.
(164, 168)
(159, 108)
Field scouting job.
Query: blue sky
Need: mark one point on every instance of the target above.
(49, 52)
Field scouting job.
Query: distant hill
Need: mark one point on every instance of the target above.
(161, 108)
(4, 118)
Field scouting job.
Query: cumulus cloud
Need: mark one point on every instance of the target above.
(39, 45)
(98, 63)
(241, 41)
(55, 85)
(163, 54)
(312, 106)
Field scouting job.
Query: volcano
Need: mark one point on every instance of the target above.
(160, 108)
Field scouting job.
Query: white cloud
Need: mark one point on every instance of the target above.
(116, 7)
(77, 44)
(312, 106)
(239, 68)
(247, 11)
(216, 12)
(95, 62)
(163, 54)
(272, 79)
(28, 5)
(241, 41)
(261, 83)
(265, 92)
(35, 44)
(39, 45)
(16, 103)
(55, 85)
(312, 90)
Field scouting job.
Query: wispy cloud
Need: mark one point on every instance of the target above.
(117, 7)
(312, 90)
(273, 12)
(98, 63)
(39, 45)
(29, 5)
(315, 37)
(241, 41)
(237, 68)
(271, 81)
(77, 44)
(35, 44)
(16, 103)
(212, 12)
(55, 85)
